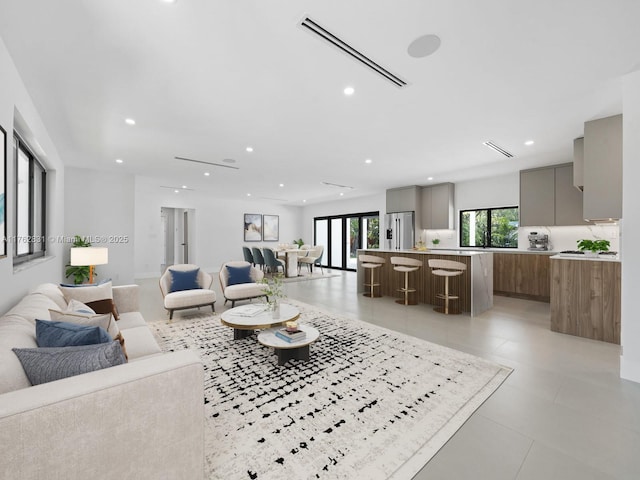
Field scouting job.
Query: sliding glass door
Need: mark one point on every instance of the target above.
(343, 235)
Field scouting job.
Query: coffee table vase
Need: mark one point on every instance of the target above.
(275, 313)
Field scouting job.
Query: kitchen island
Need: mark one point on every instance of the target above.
(474, 286)
(586, 297)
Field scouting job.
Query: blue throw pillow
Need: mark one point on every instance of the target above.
(238, 275)
(44, 365)
(65, 334)
(184, 280)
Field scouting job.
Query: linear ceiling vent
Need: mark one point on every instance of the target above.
(324, 34)
(337, 185)
(205, 163)
(498, 149)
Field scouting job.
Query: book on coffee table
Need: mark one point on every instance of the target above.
(249, 310)
(290, 335)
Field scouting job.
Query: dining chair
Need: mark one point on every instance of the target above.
(258, 259)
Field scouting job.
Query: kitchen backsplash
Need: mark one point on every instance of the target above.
(560, 238)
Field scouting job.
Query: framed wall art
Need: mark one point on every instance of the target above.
(3, 191)
(270, 228)
(252, 227)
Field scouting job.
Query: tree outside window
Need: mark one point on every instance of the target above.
(489, 227)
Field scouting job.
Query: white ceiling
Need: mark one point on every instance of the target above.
(205, 79)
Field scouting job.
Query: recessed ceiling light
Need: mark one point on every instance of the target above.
(184, 186)
(206, 174)
(129, 121)
(349, 91)
(169, 1)
(282, 184)
(176, 191)
(249, 149)
(248, 194)
(341, 194)
(368, 160)
(119, 160)
(304, 201)
(430, 178)
(529, 142)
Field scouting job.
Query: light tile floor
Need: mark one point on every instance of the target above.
(563, 414)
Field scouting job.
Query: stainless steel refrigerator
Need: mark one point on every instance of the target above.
(400, 230)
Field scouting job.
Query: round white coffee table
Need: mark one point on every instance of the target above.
(244, 320)
(298, 350)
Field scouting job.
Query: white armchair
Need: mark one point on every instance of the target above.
(187, 298)
(241, 291)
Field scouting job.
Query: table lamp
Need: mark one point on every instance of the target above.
(89, 256)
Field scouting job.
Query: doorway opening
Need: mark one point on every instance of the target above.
(343, 235)
(178, 226)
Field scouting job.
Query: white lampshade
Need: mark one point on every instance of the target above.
(85, 256)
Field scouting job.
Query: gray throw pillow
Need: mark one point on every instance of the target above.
(44, 365)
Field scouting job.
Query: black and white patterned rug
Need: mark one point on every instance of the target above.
(370, 403)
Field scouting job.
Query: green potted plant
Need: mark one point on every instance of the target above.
(593, 246)
(80, 274)
(299, 242)
(274, 290)
(436, 242)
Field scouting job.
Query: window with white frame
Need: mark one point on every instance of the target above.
(30, 201)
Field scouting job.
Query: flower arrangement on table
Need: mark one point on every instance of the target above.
(273, 289)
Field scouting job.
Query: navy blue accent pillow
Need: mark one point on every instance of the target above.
(65, 334)
(238, 275)
(184, 280)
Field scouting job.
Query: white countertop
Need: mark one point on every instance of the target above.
(582, 258)
(501, 250)
(459, 253)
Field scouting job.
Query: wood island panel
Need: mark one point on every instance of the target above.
(585, 299)
(426, 284)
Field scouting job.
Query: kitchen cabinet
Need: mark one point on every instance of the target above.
(585, 298)
(537, 197)
(548, 198)
(521, 275)
(568, 199)
(438, 207)
(405, 199)
(603, 168)
(578, 163)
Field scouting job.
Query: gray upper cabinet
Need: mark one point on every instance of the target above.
(537, 197)
(405, 199)
(548, 197)
(438, 207)
(603, 168)
(568, 199)
(578, 163)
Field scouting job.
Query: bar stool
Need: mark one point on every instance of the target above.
(406, 265)
(371, 262)
(446, 269)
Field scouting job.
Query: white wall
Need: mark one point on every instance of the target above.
(218, 226)
(100, 205)
(14, 96)
(630, 335)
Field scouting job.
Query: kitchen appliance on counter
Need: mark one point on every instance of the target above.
(538, 241)
(400, 230)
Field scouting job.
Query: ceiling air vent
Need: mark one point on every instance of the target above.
(329, 184)
(325, 35)
(498, 149)
(206, 163)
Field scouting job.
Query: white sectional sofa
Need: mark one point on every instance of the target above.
(143, 419)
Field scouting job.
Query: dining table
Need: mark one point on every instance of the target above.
(291, 256)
